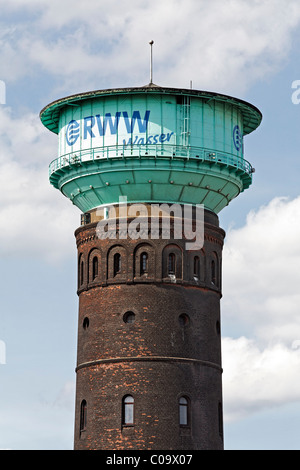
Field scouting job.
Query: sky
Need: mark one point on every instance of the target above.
(245, 48)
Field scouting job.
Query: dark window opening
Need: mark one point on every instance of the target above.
(144, 263)
(213, 272)
(81, 272)
(83, 415)
(220, 416)
(128, 411)
(117, 264)
(196, 266)
(183, 319)
(85, 218)
(86, 323)
(129, 317)
(95, 268)
(171, 263)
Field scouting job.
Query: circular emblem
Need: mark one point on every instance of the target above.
(72, 132)
(237, 138)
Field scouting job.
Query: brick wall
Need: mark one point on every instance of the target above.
(169, 346)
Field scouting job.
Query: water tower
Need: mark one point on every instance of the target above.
(149, 372)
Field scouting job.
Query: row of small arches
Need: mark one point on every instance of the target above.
(200, 267)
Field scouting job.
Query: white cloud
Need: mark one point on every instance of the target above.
(256, 379)
(35, 220)
(24, 139)
(222, 45)
(261, 272)
(260, 294)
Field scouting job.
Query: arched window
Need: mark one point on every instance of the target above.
(197, 266)
(95, 268)
(171, 263)
(85, 323)
(128, 411)
(184, 418)
(81, 272)
(213, 272)
(184, 319)
(144, 263)
(220, 416)
(117, 263)
(83, 415)
(215, 269)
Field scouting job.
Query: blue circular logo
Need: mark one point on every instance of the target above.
(237, 138)
(72, 133)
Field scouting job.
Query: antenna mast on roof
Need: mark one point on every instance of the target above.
(151, 65)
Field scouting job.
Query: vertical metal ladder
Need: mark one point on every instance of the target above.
(185, 113)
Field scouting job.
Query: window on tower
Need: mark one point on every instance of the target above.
(184, 320)
(85, 323)
(128, 411)
(81, 272)
(95, 268)
(220, 417)
(171, 263)
(213, 272)
(83, 416)
(184, 412)
(144, 263)
(117, 263)
(196, 266)
(129, 317)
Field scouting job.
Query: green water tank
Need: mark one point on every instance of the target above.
(151, 144)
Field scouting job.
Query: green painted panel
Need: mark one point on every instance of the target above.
(133, 191)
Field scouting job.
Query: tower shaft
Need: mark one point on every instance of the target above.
(149, 370)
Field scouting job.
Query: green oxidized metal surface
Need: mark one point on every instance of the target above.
(151, 144)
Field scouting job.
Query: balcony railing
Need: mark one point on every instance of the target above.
(99, 154)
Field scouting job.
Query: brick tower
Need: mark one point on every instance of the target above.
(149, 372)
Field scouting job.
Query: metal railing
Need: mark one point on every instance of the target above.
(99, 154)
